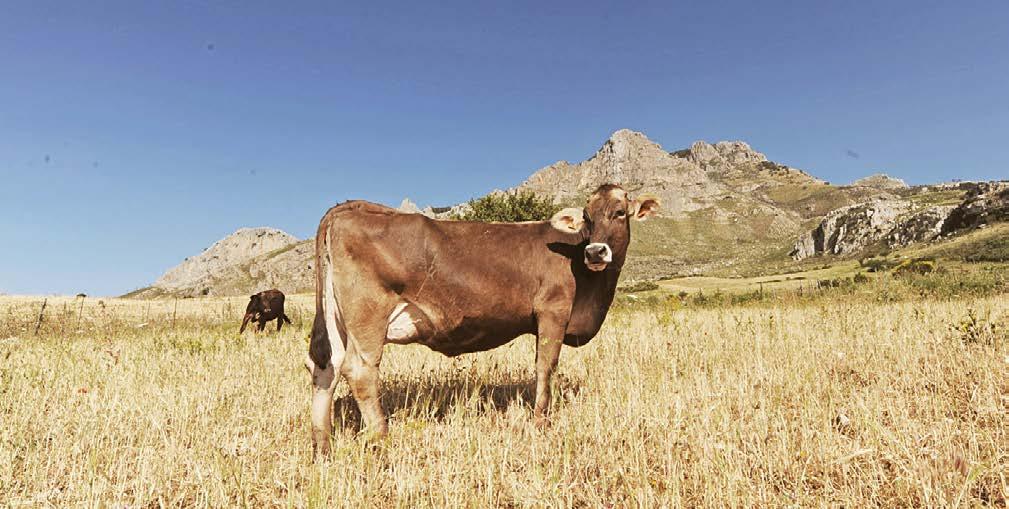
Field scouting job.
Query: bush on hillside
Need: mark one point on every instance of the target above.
(915, 267)
(876, 264)
(510, 208)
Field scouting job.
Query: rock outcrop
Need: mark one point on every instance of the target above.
(851, 229)
(985, 202)
(923, 225)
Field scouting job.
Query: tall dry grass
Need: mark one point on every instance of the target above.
(818, 404)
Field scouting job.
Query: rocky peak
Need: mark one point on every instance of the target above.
(632, 160)
(408, 206)
(722, 153)
(880, 181)
(237, 248)
(625, 150)
(624, 143)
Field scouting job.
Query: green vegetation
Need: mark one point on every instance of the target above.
(846, 281)
(880, 264)
(915, 266)
(945, 197)
(510, 208)
(974, 329)
(989, 244)
(639, 286)
(993, 249)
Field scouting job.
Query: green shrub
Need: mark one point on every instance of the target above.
(860, 278)
(876, 264)
(510, 208)
(977, 330)
(835, 283)
(917, 266)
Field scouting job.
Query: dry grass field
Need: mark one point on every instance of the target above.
(836, 402)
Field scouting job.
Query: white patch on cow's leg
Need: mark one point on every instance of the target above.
(402, 326)
(323, 386)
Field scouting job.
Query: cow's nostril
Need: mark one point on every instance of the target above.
(598, 252)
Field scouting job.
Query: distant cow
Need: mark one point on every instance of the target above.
(263, 307)
(457, 287)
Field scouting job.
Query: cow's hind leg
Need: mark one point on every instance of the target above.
(323, 386)
(360, 367)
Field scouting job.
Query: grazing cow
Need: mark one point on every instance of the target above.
(263, 307)
(456, 287)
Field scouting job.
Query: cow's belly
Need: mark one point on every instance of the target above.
(460, 342)
(409, 324)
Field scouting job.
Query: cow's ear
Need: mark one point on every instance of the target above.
(568, 220)
(644, 206)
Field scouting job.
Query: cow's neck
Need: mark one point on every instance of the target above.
(593, 296)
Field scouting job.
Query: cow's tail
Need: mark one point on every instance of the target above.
(327, 344)
(326, 350)
(283, 316)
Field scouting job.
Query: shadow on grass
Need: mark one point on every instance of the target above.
(435, 399)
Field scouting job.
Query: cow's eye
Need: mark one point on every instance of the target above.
(619, 213)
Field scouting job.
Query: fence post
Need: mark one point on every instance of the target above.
(80, 312)
(41, 314)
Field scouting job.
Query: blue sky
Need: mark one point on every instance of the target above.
(134, 134)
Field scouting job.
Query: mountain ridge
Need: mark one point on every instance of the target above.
(725, 207)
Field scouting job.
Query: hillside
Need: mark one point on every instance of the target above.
(727, 210)
(249, 260)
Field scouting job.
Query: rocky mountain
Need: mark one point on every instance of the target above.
(686, 180)
(726, 209)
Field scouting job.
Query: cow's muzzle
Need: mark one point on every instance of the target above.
(598, 255)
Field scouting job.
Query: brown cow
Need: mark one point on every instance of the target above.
(263, 307)
(458, 287)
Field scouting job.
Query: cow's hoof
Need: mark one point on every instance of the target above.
(542, 422)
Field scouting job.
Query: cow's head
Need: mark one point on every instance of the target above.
(605, 223)
(255, 304)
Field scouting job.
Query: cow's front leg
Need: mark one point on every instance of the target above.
(549, 339)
